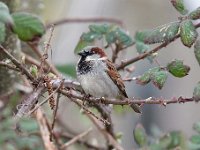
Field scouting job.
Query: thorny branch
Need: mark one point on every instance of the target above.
(17, 63)
(85, 20)
(149, 100)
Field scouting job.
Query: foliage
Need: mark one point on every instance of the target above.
(9, 138)
(112, 34)
(27, 26)
(169, 141)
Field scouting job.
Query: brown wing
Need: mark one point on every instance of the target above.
(116, 78)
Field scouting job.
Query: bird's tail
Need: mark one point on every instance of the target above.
(136, 108)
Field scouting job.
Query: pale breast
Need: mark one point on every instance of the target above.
(98, 84)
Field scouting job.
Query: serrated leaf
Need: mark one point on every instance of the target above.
(5, 16)
(197, 50)
(147, 76)
(140, 135)
(194, 15)
(157, 75)
(188, 33)
(195, 139)
(27, 26)
(2, 32)
(180, 7)
(123, 37)
(111, 37)
(142, 48)
(90, 36)
(160, 34)
(196, 126)
(196, 92)
(144, 79)
(118, 35)
(101, 29)
(178, 69)
(159, 78)
(68, 69)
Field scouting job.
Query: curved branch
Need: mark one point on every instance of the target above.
(85, 20)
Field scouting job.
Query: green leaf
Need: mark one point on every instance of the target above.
(197, 50)
(2, 32)
(123, 37)
(101, 29)
(68, 69)
(121, 109)
(194, 15)
(157, 75)
(81, 44)
(140, 135)
(165, 141)
(188, 33)
(160, 34)
(5, 16)
(86, 39)
(178, 140)
(34, 70)
(180, 7)
(196, 92)
(192, 146)
(28, 27)
(159, 78)
(142, 48)
(196, 126)
(178, 69)
(91, 36)
(195, 139)
(111, 37)
(118, 35)
(144, 79)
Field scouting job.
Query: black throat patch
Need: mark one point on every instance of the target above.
(84, 66)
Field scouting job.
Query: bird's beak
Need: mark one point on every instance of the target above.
(81, 53)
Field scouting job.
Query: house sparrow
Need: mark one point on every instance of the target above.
(98, 76)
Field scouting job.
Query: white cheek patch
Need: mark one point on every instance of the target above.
(92, 58)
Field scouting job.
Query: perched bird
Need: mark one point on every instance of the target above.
(98, 76)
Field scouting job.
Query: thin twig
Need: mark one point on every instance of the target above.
(48, 64)
(17, 63)
(9, 66)
(85, 20)
(90, 112)
(54, 115)
(45, 54)
(44, 101)
(81, 141)
(29, 102)
(76, 138)
(109, 138)
(44, 130)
